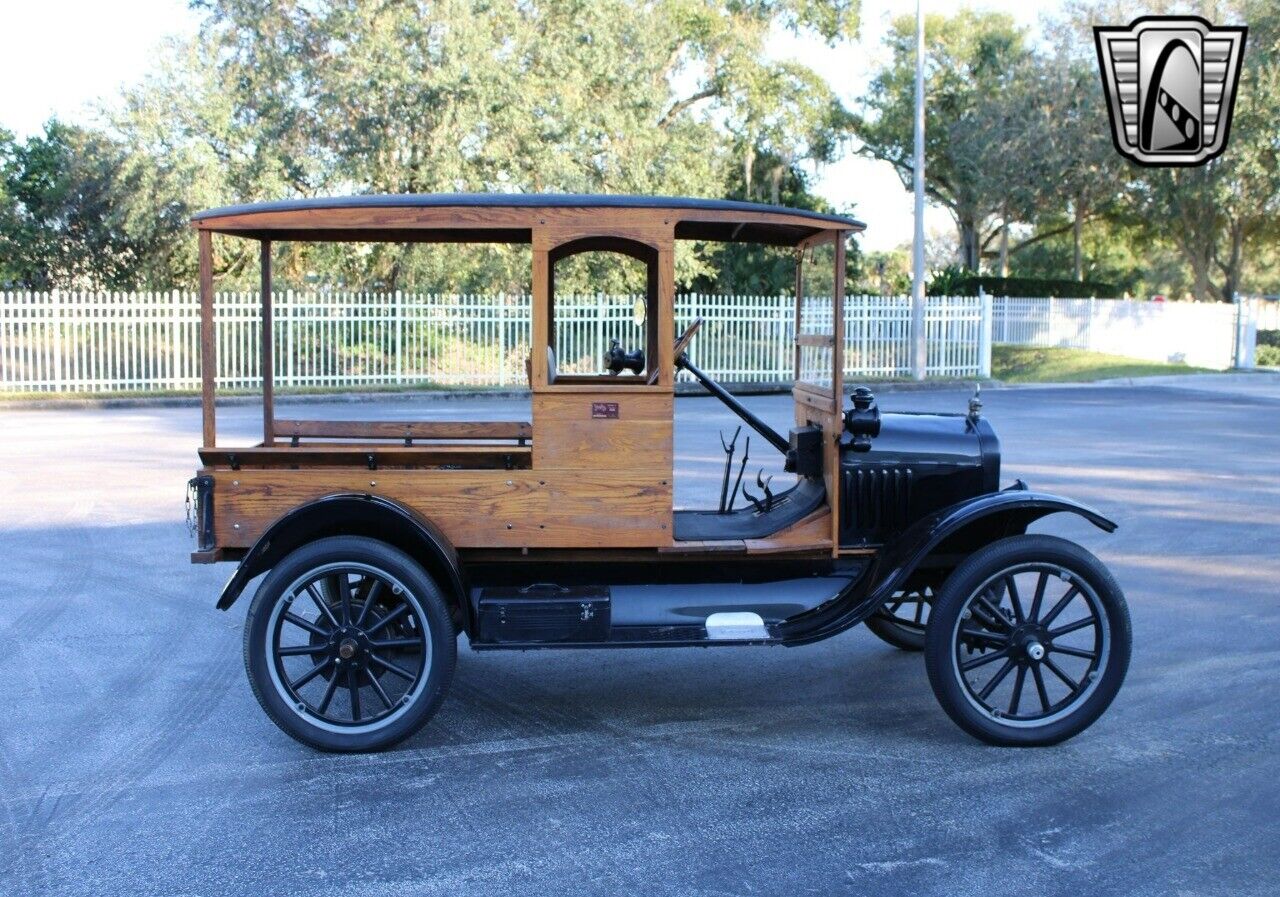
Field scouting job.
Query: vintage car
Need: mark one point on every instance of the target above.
(381, 541)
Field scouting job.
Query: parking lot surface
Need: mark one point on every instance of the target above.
(134, 759)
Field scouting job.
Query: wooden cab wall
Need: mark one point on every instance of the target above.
(598, 472)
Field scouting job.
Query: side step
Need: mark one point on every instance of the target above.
(547, 615)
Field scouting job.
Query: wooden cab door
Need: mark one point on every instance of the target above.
(602, 444)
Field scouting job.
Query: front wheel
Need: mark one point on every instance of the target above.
(349, 645)
(1028, 641)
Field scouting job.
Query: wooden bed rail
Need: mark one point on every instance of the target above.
(407, 430)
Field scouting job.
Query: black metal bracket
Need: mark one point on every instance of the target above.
(729, 448)
(772, 436)
(200, 510)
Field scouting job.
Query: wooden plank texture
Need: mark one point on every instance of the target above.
(268, 350)
(364, 429)
(473, 508)
(346, 454)
(574, 431)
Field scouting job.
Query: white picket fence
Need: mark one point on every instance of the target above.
(1208, 334)
(1266, 312)
(108, 342)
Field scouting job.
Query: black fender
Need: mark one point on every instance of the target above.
(355, 514)
(960, 528)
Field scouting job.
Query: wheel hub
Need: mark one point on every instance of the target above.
(1030, 642)
(347, 649)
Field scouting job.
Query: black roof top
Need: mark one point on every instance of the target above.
(537, 200)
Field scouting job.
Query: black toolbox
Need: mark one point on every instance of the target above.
(544, 613)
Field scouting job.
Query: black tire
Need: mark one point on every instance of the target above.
(366, 656)
(988, 639)
(896, 623)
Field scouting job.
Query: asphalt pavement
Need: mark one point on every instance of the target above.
(134, 759)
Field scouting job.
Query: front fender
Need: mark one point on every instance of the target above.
(353, 514)
(969, 524)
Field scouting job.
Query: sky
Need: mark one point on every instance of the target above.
(104, 47)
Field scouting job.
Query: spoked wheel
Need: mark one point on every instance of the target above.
(903, 620)
(1029, 641)
(349, 645)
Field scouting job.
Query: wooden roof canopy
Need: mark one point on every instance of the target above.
(511, 218)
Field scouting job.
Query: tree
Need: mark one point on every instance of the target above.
(8, 154)
(305, 99)
(973, 60)
(62, 211)
(1049, 151)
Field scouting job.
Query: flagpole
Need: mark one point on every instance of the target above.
(918, 343)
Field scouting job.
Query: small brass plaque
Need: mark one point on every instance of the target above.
(604, 410)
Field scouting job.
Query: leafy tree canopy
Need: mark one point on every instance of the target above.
(277, 99)
(64, 211)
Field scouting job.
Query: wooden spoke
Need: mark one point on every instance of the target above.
(1040, 689)
(983, 660)
(392, 668)
(1014, 598)
(306, 624)
(323, 605)
(1072, 627)
(310, 674)
(377, 687)
(996, 680)
(1060, 606)
(1018, 681)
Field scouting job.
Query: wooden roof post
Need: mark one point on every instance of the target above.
(540, 309)
(208, 352)
(268, 352)
(837, 330)
(666, 323)
(837, 380)
(799, 306)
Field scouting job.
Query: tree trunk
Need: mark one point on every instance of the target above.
(1077, 226)
(1235, 261)
(748, 167)
(1201, 289)
(969, 243)
(1004, 247)
(775, 184)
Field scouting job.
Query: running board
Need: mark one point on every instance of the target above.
(547, 615)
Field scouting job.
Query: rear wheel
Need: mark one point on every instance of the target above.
(903, 619)
(1028, 642)
(349, 645)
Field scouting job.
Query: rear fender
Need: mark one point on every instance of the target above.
(960, 528)
(354, 514)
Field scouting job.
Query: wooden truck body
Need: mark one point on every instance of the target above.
(560, 531)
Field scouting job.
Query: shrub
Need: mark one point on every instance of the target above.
(955, 282)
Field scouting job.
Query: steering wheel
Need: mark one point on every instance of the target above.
(682, 344)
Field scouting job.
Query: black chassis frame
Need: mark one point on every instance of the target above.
(939, 540)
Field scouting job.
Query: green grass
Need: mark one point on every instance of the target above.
(1033, 364)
